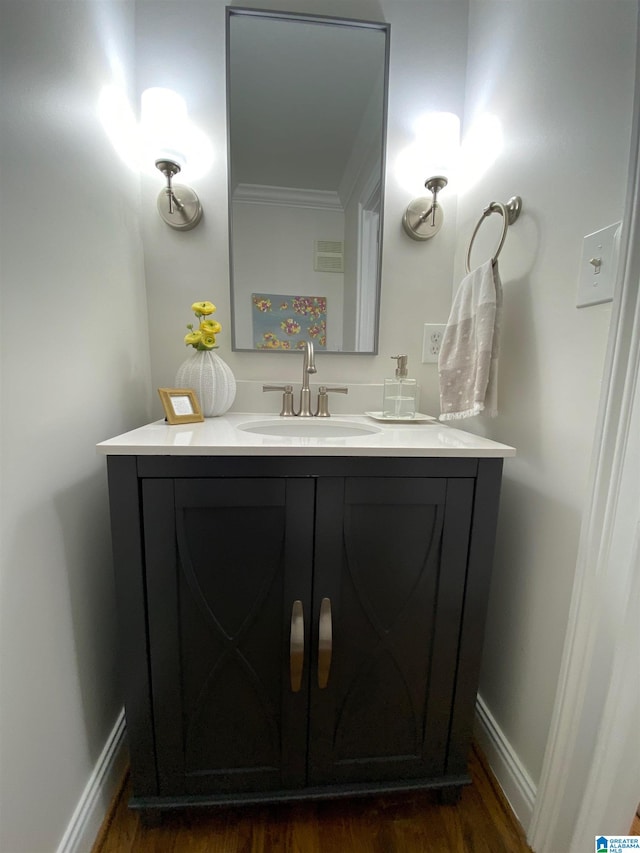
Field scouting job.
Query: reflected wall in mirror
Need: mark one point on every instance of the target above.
(306, 103)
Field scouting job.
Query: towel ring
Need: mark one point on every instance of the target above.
(509, 212)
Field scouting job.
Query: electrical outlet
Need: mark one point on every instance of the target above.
(431, 342)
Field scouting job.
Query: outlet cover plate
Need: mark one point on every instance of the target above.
(431, 341)
(598, 266)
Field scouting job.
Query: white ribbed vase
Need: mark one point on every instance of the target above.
(212, 380)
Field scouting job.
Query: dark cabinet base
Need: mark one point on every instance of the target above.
(448, 792)
(450, 795)
(210, 555)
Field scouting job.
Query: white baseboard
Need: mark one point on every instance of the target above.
(512, 777)
(98, 793)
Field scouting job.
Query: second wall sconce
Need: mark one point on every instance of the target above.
(423, 217)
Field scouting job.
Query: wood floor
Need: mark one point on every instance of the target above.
(481, 822)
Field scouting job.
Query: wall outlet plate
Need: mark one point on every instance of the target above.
(431, 341)
(599, 266)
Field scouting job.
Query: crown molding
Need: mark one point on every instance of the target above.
(286, 197)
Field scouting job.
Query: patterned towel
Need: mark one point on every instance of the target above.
(468, 362)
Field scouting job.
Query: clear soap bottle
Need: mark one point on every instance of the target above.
(400, 393)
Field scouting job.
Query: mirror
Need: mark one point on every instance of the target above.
(306, 103)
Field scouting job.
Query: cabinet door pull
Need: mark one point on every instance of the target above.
(296, 646)
(325, 643)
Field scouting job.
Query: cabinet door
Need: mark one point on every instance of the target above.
(226, 559)
(391, 556)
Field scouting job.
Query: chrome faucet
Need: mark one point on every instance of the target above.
(308, 367)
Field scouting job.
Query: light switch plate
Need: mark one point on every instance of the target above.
(598, 266)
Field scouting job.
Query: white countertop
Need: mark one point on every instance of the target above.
(221, 437)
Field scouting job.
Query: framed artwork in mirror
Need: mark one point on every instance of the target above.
(180, 405)
(283, 322)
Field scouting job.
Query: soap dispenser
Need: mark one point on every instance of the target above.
(400, 393)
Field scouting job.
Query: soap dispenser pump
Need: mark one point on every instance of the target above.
(400, 393)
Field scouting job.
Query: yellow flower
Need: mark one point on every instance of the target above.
(202, 309)
(208, 341)
(204, 337)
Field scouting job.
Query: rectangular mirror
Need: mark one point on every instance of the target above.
(306, 103)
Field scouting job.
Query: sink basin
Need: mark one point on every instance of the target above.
(324, 428)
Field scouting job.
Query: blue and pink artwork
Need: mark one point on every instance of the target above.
(284, 322)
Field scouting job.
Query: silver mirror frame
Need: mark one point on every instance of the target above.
(380, 26)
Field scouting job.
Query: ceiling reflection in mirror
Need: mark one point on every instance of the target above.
(306, 116)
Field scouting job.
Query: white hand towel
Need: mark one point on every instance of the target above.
(468, 362)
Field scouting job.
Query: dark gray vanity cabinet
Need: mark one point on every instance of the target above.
(297, 627)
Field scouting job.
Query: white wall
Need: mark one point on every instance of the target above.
(559, 77)
(75, 370)
(181, 45)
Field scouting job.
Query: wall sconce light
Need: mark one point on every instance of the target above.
(167, 138)
(423, 217)
(178, 205)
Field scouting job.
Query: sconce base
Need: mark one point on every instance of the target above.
(416, 225)
(182, 218)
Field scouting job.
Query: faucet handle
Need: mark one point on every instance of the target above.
(323, 399)
(287, 398)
